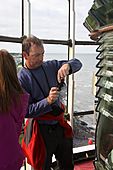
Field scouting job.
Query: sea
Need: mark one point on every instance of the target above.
(84, 95)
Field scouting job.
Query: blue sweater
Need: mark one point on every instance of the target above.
(38, 104)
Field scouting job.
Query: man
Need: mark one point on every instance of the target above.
(41, 79)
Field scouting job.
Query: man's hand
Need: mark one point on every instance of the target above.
(94, 35)
(63, 72)
(53, 95)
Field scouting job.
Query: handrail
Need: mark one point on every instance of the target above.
(10, 39)
(48, 41)
(82, 113)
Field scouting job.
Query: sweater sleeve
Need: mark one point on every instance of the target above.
(23, 110)
(75, 65)
(38, 104)
(36, 107)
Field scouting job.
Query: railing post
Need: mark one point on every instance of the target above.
(71, 54)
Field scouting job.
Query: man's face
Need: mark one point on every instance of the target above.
(35, 57)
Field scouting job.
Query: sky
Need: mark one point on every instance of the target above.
(48, 21)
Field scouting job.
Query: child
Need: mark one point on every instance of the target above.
(13, 107)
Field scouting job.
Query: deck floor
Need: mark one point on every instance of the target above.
(86, 165)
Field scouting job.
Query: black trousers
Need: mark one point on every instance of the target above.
(56, 143)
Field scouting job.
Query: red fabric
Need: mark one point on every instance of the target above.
(68, 129)
(35, 151)
(85, 165)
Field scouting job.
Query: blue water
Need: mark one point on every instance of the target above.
(84, 98)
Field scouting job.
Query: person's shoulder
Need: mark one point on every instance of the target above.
(25, 96)
(23, 72)
(50, 62)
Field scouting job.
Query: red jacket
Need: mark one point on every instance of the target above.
(33, 145)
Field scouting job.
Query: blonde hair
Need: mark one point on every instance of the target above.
(9, 84)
